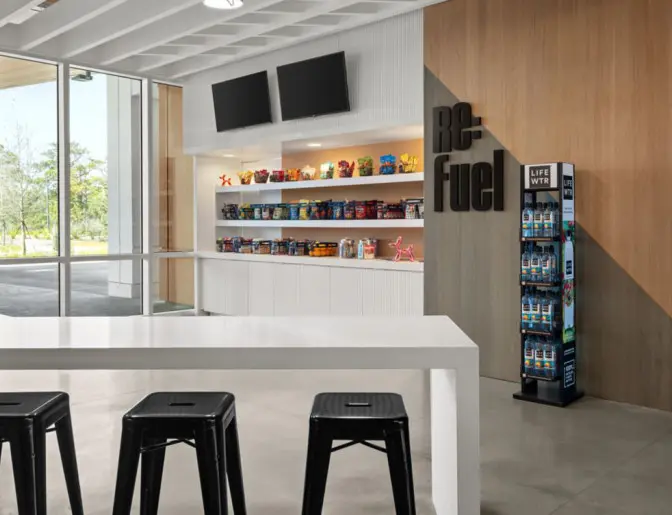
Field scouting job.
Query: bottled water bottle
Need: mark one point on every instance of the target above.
(546, 313)
(529, 347)
(535, 264)
(555, 219)
(551, 360)
(553, 258)
(545, 258)
(538, 219)
(525, 310)
(535, 317)
(525, 264)
(526, 220)
(539, 358)
(547, 230)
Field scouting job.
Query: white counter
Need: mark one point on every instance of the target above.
(138, 343)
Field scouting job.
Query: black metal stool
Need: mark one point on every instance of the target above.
(203, 420)
(359, 417)
(25, 420)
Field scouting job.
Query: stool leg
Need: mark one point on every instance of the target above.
(208, 469)
(1, 442)
(40, 456)
(129, 456)
(409, 465)
(317, 468)
(66, 446)
(398, 458)
(234, 468)
(151, 475)
(23, 463)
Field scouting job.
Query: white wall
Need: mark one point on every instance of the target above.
(385, 76)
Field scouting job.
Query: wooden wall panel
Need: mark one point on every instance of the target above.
(589, 82)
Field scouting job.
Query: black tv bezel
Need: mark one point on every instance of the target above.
(270, 108)
(347, 88)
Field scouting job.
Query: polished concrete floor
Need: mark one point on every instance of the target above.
(595, 458)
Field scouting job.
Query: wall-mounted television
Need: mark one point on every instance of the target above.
(314, 87)
(242, 102)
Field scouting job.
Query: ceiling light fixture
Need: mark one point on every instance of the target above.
(228, 155)
(223, 4)
(314, 144)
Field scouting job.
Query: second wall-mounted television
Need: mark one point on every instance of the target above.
(314, 87)
(242, 102)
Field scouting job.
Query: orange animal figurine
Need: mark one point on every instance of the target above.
(402, 253)
(225, 180)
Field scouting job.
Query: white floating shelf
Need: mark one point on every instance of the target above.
(326, 183)
(376, 264)
(323, 224)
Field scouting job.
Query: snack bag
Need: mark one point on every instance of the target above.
(388, 164)
(327, 170)
(307, 173)
(345, 169)
(365, 165)
(408, 164)
(245, 177)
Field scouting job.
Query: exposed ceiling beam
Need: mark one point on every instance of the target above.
(180, 70)
(8, 8)
(185, 23)
(62, 17)
(126, 19)
(323, 7)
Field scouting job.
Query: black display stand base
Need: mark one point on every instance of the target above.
(550, 397)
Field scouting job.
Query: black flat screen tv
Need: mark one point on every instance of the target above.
(314, 87)
(242, 102)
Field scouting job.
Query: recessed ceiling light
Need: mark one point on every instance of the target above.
(223, 4)
(228, 155)
(314, 144)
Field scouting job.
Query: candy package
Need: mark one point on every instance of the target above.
(327, 170)
(408, 164)
(307, 173)
(388, 164)
(345, 169)
(293, 175)
(277, 176)
(365, 166)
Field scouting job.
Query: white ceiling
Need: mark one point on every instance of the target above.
(172, 39)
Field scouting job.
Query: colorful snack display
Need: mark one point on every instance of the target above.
(245, 212)
(277, 176)
(230, 212)
(388, 164)
(336, 210)
(408, 164)
(307, 173)
(350, 210)
(267, 212)
(261, 176)
(258, 211)
(327, 170)
(293, 175)
(365, 166)
(294, 208)
(412, 208)
(245, 177)
(280, 248)
(345, 169)
(280, 212)
(304, 210)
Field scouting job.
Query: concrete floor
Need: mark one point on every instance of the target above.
(594, 458)
(32, 290)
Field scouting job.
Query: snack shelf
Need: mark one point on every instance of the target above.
(377, 264)
(323, 224)
(326, 183)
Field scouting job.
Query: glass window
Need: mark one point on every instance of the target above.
(105, 164)
(28, 159)
(173, 284)
(29, 290)
(107, 288)
(173, 224)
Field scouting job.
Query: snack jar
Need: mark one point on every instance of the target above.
(293, 175)
(412, 208)
(388, 164)
(304, 210)
(307, 173)
(245, 212)
(228, 245)
(365, 166)
(261, 247)
(220, 245)
(245, 177)
(277, 176)
(257, 211)
(298, 248)
(279, 248)
(350, 210)
(294, 211)
(336, 210)
(246, 246)
(267, 212)
(280, 212)
(327, 170)
(345, 169)
(347, 249)
(261, 176)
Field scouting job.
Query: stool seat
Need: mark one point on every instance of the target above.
(29, 404)
(25, 420)
(183, 405)
(388, 406)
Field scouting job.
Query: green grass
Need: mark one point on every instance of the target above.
(78, 247)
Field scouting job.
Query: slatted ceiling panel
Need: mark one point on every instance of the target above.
(19, 72)
(113, 33)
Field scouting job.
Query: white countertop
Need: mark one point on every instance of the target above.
(231, 342)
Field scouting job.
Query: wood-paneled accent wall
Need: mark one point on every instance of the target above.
(385, 192)
(175, 200)
(589, 82)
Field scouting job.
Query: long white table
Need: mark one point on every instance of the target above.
(366, 343)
